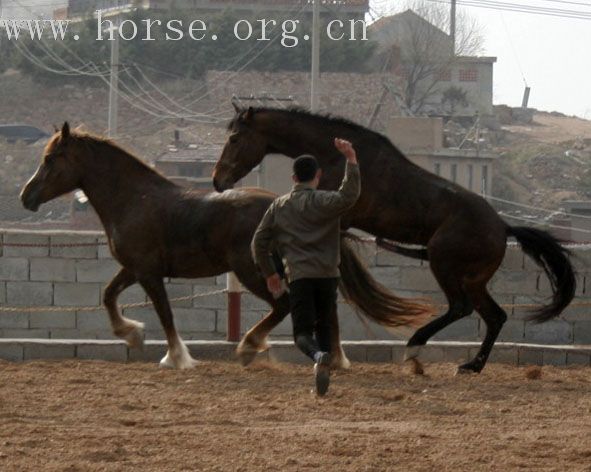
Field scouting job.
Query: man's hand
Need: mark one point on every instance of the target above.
(347, 149)
(274, 284)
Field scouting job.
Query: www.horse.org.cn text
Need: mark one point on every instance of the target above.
(175, 30)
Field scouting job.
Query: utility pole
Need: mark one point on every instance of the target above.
(315, 56)
(452, 27)
(114, 82)
(525, 100)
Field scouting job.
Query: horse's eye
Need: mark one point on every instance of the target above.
(233, 138)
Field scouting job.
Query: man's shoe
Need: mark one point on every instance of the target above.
(322, 373)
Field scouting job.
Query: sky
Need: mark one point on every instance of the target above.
(553, 54)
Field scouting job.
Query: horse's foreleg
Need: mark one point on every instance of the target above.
(129, 330)
(178, 355)
(339, 359)
(255, 339)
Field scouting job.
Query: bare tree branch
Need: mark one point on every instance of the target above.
(427, 52)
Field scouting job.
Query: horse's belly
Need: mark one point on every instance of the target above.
(196, 264)
(398, 231)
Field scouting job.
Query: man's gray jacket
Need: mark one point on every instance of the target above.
(304, 227)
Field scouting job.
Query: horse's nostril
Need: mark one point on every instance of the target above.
(30, 199)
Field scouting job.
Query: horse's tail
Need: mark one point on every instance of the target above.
(371, 298)
(549, 254)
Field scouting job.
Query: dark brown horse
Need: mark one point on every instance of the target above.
(462, 236)
(157, 229)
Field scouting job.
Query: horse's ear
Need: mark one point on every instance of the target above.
(249, 114)
(65, 130)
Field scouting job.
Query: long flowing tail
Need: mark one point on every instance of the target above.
(549, 254)
(374, 300)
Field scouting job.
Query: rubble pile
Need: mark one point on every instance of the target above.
(476, 136)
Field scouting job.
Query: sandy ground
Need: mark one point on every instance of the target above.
(554, 129)
(87, 416)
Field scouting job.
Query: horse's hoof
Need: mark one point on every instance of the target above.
(467, 369)
(187, 362)
(340, 363)
(133, 334)
(246, 356)
(412, 352)
(167, 362)
(247, 350)
(416, 367)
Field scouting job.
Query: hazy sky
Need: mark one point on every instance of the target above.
(554, 54)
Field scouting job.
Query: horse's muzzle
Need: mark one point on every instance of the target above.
(30, 199)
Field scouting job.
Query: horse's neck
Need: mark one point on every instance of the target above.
(114, 181)
(375, 155)
(383, 169)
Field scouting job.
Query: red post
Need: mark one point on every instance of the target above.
(233, 326)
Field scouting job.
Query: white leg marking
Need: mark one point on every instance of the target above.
(132, 332)
(341, 360)
(178, 357)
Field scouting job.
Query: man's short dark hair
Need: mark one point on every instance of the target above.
(305, 168)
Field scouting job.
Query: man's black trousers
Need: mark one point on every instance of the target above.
(312, 300)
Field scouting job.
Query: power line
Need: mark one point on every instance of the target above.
(544, 223)
(512, 47)
(521, 8)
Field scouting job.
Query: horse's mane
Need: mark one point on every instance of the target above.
(304, 113)
(93, 141)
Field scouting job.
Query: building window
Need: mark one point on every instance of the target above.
(485, 180)
(454, 172)
(437, 168)
(470, 177)
(444, 75)
(468, 75)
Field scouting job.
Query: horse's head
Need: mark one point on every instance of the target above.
(245, 149)
(56, 175)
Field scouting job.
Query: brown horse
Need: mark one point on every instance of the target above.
(157, 229)
(462, 236)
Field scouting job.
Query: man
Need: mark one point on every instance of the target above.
(304, 226)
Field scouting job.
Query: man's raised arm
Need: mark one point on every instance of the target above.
(348, 193)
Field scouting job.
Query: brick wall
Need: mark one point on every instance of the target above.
(64, 278)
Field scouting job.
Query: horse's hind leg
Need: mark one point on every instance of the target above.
(178, 355)
(129, 330)
(447, 274)
(459, 307)
(255, 339)
(494, 317)
(339, 359)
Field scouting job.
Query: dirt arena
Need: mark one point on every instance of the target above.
(91, 416)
